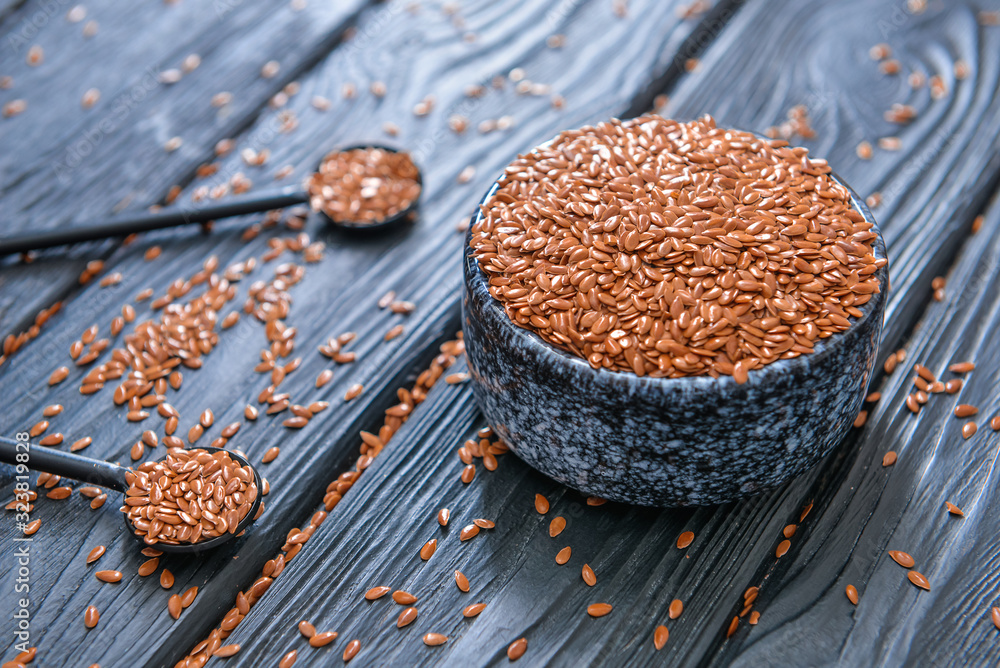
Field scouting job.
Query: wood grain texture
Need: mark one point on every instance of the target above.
(62, 165)
(933, 189)
(872, 509)
(414, 55)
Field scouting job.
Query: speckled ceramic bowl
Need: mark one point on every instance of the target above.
(665, 442)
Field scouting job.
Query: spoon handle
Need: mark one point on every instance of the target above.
(65, 464)
(121, 227)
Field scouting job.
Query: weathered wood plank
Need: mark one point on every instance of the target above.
(65, 165)
(414, 56)
(734, 546)
(903, 507)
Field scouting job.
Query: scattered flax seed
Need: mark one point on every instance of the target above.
(483, 524)
(918, 580)
(962, 367)
(596, 501)
(889, 458)
(442, 517)
(108, 576)
(91, 616)
(902, 558)
(376, 593)
(467, 174)
(880, 51)
(541, 504)
(32, 527)
(323, 639)
(852, 594)
(563, 555)
(226, 651)
(598, 609)
(864, 150)
(660, 636)
(352, 650)
(789, 530)
(685, 539)
(588, 575)
(393, 333)
(968, 430)
(782, 548)
(516, 649)
(890, 66)
(461, 581)
(36, 55)
(456, 378)
(149, 567)
(965, 410)
(187, 598)
(435, 639)
(939, 90)
(953, 509)
(900, 114)
(90, 98)
(60, 493)
(961, 69)
(977, 224)
(890, 143)
(306, 629)
(733, 625)
(754, 618)
(406, 617)
(427, 551)
(861, 419)
(95, 554)
(13, 108)
(59, 375)
(995, 616)
(270, 69)
(953, 386)
(468, 532)
(468, 473)
(556, 526)
(354, 391)
(403, 597)
(473, 610)
(675, 609)
(166, 579)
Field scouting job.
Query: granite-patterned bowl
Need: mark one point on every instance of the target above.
(665, 441)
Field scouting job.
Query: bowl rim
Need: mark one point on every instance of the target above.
(550, 354)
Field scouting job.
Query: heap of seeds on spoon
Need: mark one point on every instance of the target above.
(190, 496)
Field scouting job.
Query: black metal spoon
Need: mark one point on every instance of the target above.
(174, 217)
(112, 476)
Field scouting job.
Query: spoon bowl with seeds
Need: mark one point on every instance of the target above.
(363, 188)
(189, 502)
(671, 314)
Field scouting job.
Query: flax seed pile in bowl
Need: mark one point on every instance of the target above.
(663, 295)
